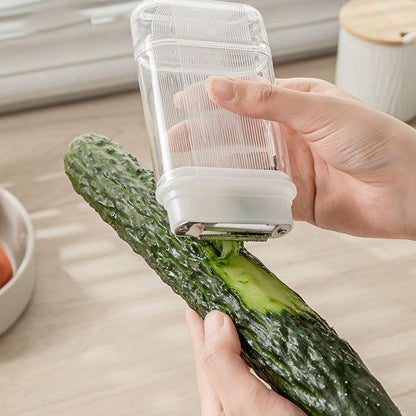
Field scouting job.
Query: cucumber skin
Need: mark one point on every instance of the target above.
(294, 351)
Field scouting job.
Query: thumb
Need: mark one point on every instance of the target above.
(239, 391)
(302, 111)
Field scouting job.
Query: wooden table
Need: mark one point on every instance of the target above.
(103, 336)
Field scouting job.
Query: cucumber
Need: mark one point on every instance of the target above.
(288, 344)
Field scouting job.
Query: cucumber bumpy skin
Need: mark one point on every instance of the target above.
(288, 344)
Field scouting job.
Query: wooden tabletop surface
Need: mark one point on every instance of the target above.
(103, 336)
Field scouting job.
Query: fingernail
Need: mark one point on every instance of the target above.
(222, 88)
(213, 322)
(179, 100)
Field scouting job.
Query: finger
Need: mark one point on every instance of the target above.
(304, 84)
(226, 148)
(210, 403)
(239, 391)
(179, 137)
(314, 85)
(214, 131)
(196, 330)
(303, 174)
(238, 156)
(194, 97)
(299, 110)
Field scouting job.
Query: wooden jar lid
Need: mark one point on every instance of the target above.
(379, 21)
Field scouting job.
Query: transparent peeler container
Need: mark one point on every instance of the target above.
(219, 175)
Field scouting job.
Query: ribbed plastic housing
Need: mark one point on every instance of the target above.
(219, 174)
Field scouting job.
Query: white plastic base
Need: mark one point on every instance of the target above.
(226, 202)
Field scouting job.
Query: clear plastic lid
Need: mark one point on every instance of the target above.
(221, 24)
(202, 153)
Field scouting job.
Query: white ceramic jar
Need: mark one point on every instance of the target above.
(377, 54)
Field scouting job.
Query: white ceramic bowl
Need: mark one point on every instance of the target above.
(17, 239)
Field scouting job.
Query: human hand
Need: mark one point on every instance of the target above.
(226, 386)
(354, 166)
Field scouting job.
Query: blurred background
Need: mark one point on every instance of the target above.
(102, 335)
(56, 50)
